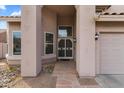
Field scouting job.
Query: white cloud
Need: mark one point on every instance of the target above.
(16, 13)
(2, 7)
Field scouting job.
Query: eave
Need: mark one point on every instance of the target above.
(11, 18)
(110, 18)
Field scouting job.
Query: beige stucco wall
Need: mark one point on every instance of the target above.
(3, 50)
(31, 40)
(66, 20)
(49, 23)
(85, 59)
(12, 26)
(3, 36)
(110, 26)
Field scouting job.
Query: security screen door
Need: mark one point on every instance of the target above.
(65, 42)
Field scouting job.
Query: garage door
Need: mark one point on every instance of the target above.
(112, 53)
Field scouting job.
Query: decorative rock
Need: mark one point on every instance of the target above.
(48, 68)
(8, 74)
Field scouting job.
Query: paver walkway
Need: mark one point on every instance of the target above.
(67, 76)
(63, 76)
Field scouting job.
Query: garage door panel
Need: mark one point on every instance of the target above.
(112, 53)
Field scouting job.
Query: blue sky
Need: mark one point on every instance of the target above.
(9, 10)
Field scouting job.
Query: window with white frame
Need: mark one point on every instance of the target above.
(16, 43)
(49, 37)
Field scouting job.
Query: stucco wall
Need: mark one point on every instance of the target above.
(31, 40)
(65, 20)
(85, 60)
(3, 50)
(12, 26)
(110, 26)
(3, 36)
(49, 23)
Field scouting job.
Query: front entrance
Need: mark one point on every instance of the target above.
(65, 42)
(65, 48)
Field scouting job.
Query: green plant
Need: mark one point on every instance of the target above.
(12, 69)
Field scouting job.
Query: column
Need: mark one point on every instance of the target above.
(31, 40)
(85, 35)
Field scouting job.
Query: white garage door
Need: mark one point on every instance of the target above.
(112, 53)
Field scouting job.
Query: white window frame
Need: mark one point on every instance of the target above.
(48, 43)
(13, 42)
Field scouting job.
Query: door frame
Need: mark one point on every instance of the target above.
(66, 38)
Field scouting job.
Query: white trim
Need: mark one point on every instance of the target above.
(12, 43)
(49, 56)
(13, 57)
(48, 43)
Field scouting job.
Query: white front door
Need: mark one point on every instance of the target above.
(65, 48)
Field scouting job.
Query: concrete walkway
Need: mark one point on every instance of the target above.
(111, 81)
(67, 76)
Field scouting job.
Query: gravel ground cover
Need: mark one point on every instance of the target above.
(10, 77)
